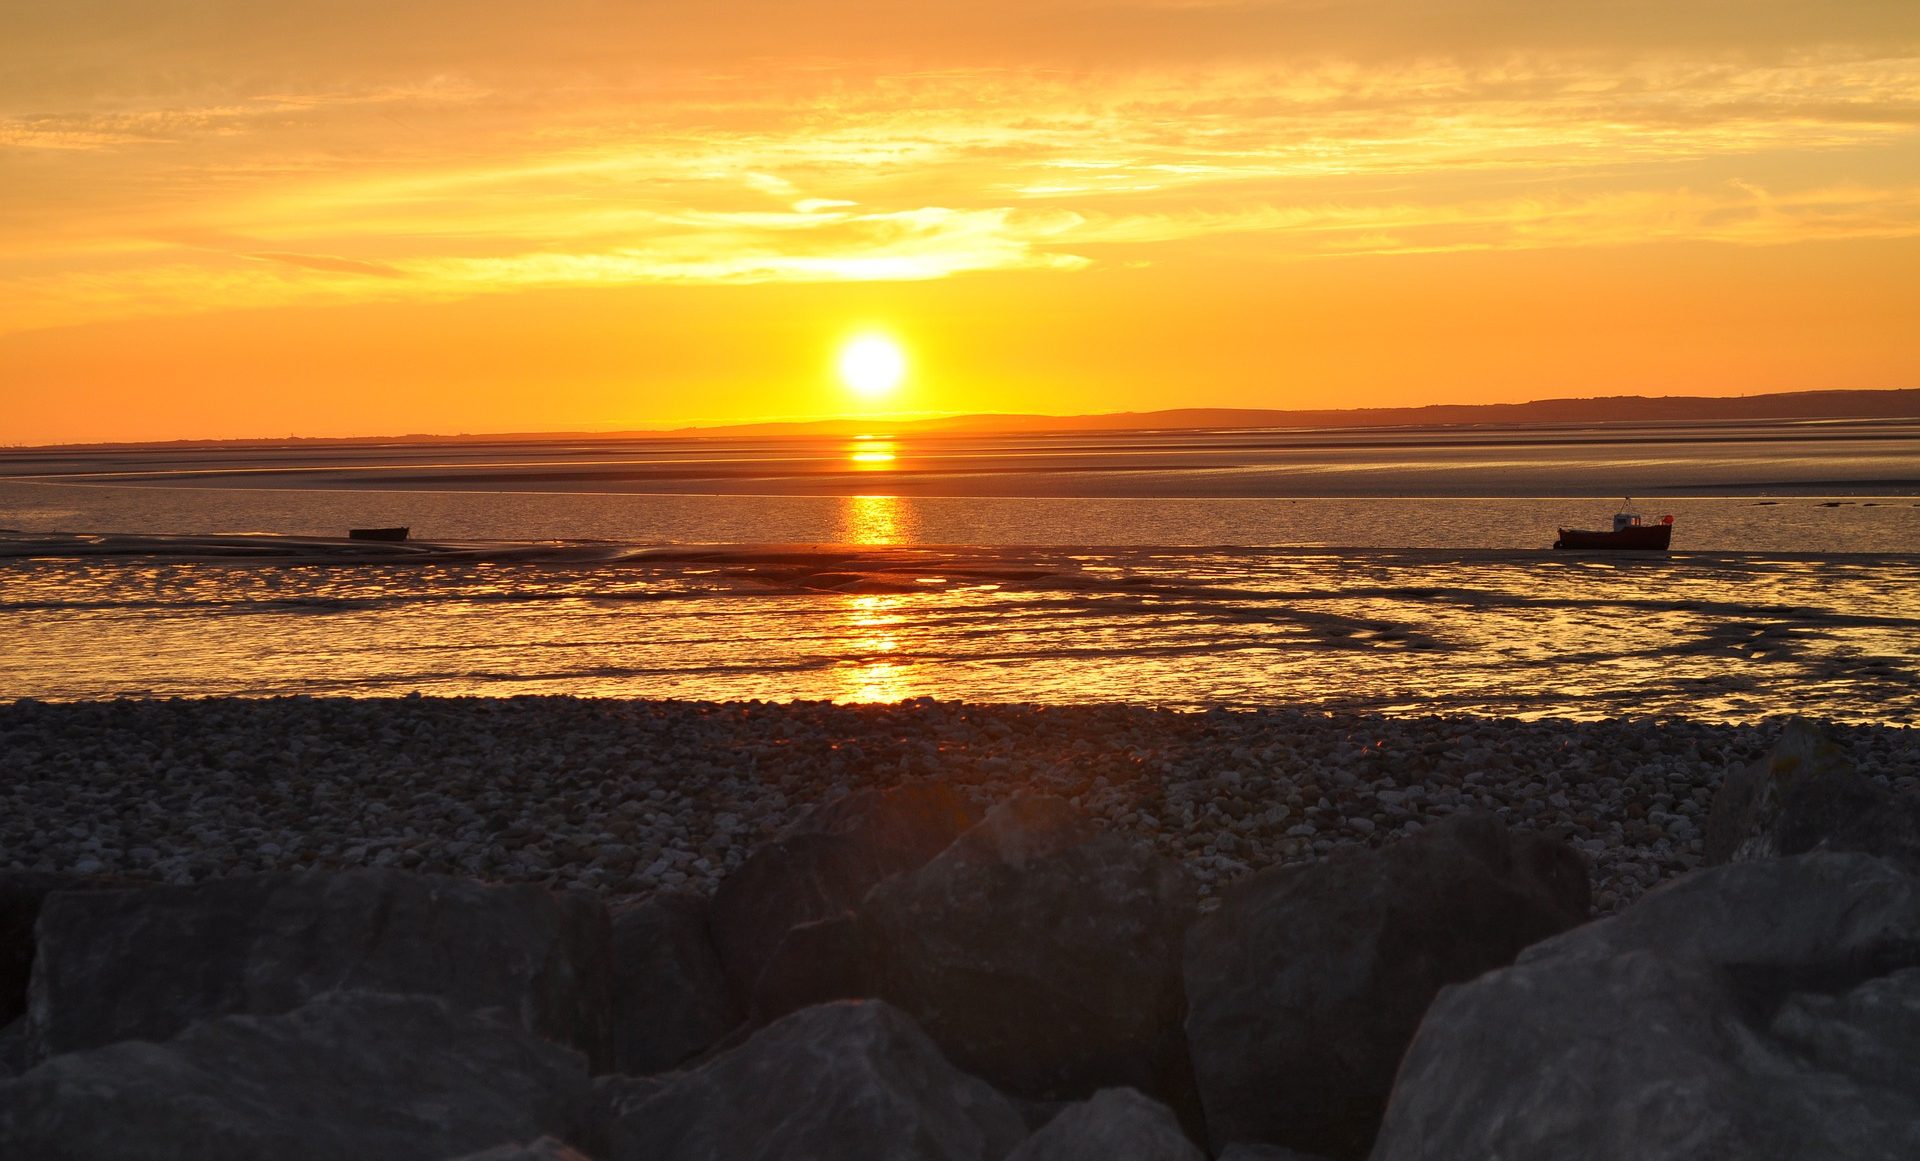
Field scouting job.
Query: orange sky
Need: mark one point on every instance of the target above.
(331, 217)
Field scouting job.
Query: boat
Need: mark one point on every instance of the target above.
(378, 533)
(1630, 530)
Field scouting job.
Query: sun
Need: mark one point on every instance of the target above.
(872, 366)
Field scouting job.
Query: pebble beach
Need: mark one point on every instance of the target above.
(626, 798)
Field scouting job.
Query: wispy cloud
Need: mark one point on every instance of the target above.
(1735, 214)
(409, 179)
(332, 264)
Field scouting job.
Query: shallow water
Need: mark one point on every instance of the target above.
(1178, 568)
(1852, 524)
(1839, 457)
(1713, 636)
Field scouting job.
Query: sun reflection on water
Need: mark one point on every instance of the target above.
(872, 453)
(871, 520)
(872, 641)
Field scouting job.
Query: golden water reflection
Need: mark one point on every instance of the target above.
(874, 675)
(1706, 636)
(872, 453)
(871, 520)
(872, 672)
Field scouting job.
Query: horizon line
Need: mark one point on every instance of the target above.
(1038, 422)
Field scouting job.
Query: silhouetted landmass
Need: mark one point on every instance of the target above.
(1896, 404)
(1902, 403)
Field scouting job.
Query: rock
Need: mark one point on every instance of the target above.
(1766, 1009)
(824, 864)
(1307, 984)
(119, 965)
(1848, 814)
(830, 959)
(1116, 1124)
(1245, 1151)
(1037, 1114)
(614, 1096)
(1043, 956)
(544, 1149)
(1872, 1030)
(1805, 795)
(851, 1079)
(13, 1049)
(670, 995)
(21, 896)
(372, 1077)
(1747, 801)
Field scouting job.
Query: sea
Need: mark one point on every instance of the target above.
(1402, 571)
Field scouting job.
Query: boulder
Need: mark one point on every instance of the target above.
(119, 965)
(21, 895)
(13, 1048)
(614, 1096)
(1766, 1009)
(670, 995)
(1848, 814)
(851, 1079)
(372, 1077)
(1747, 802)
(1248, 1151)
(1115, 1124)
(1307, 984)
(1805, 795)
(1870, 1030)
(829, 959)
(1042, 955)
(544, 1149)
(824, 864)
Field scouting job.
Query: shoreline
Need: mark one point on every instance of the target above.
(626, 798)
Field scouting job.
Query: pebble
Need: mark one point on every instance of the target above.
(630, 797)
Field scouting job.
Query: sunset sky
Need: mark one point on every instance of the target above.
(330, 217)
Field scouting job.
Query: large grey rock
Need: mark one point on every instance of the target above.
(614, 1097)
(13, 1048)
(117, 965)
(1115, 1124)
(1307, 984)
(1806, 795)
(824, 864)
(1247, 1151)
(371, 1077)
(852, 1079)
(1797, 921)
(544, 1149)
(1871, 1030)
(1764, 1010)
(21, 896)
(670, 995)
(1043, 956)
(818, 962)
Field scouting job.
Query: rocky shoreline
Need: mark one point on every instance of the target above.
(911, 972)
(628, 798)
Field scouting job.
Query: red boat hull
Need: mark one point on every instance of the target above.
(1643, 536)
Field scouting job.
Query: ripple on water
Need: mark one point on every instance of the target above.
(1711, 636)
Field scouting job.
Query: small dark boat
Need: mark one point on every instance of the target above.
(1629, 531)
(377, 533)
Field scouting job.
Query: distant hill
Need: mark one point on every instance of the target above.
(1896, 404)
(1901, 403)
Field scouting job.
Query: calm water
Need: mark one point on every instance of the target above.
(1163, 568)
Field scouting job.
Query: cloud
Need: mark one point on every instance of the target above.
(119, 48)
(1739, 213)
(332, 264)
(908, 245)
(259, 144)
